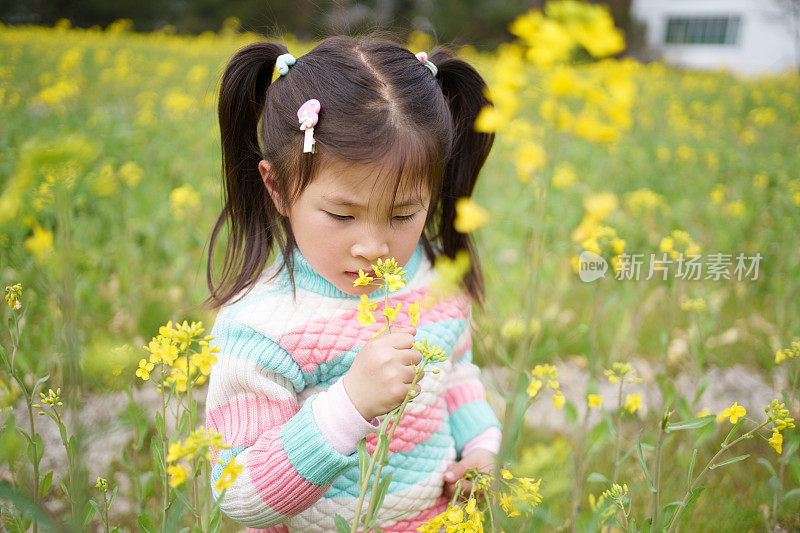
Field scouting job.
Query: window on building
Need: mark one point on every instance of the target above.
(703, 30)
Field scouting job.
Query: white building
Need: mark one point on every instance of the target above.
(745, 36)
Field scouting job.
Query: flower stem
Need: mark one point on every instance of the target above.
(674, 524)
(365, 481)
(619, 430)
(398, 412)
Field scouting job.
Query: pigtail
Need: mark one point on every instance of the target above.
(464, 90)
(247, 207)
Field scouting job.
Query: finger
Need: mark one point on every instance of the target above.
(402, 339)
(409, 357)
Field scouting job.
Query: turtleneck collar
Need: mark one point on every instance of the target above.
(309, 279)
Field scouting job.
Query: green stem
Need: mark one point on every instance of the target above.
(578, 486)
(657, 473)
(619, 429)
(29, 399)
(395, 421)
(365, 481)
(778, 494)
(676, 519)
(165, 499)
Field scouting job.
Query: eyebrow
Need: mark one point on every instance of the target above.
(340, 200)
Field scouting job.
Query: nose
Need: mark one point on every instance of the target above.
(370, 246)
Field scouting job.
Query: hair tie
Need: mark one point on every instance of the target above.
(423, 58)
(308, 115)
(283, 63)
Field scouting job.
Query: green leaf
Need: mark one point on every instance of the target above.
(692, 499)
(341, 524)
(89, 511)
(160, 428)
(384, 440)
(794, 493)
(736, 426)
(174, 514)
(380, 493)
(216, 520)
(179, 494)
(672, 504)
(691, 469)
(363, 461)
(113, 495)
(701, 389)
(597, 477)
(64, 487)
(31, 509)
(694, 423)
(39, 382)
(571, 412)
(730, 461)
(158, 456)
(44, 486)
(768, 466)
(145, 524)
(644, 466)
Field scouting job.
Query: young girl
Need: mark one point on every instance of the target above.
(357, 151)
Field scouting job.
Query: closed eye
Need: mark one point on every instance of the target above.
(342, 218)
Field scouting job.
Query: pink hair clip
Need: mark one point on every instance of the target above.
(423, 58)
(308, 115)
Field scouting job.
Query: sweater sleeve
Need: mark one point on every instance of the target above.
(288, 464)
(469, 413)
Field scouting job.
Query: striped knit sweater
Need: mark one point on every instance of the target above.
(276, 396)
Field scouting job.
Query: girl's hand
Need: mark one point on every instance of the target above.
(382, 372)
(479, 458)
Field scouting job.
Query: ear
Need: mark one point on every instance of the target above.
(265, 168)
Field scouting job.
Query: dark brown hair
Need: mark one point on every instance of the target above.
(380, 106)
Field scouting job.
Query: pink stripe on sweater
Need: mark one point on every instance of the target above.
(275, 479)
(463, 394)
(411, 524)
(242, 420)
(414, 428)
(310, 345)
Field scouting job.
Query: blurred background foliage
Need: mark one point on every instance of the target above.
(482, 23)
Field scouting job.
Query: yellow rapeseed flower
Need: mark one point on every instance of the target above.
(534, 387)
(558, 400)
(365, 309)
(413, 313)
(363, 279)
(594, 400)
(776, 440)
(391, 312)
(564, 176)
(13, 295)
(228, 476)
(735, 411)
(144, 369)
(177, 475)
(393, 282)
(530, 158)
(633, 402)
(40, 244)
(469, 216)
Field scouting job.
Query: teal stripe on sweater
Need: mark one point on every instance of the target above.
(470, 420)
(237, 340)
(308, 451)
(408, 468)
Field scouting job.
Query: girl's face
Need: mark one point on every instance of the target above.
(340, 228)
